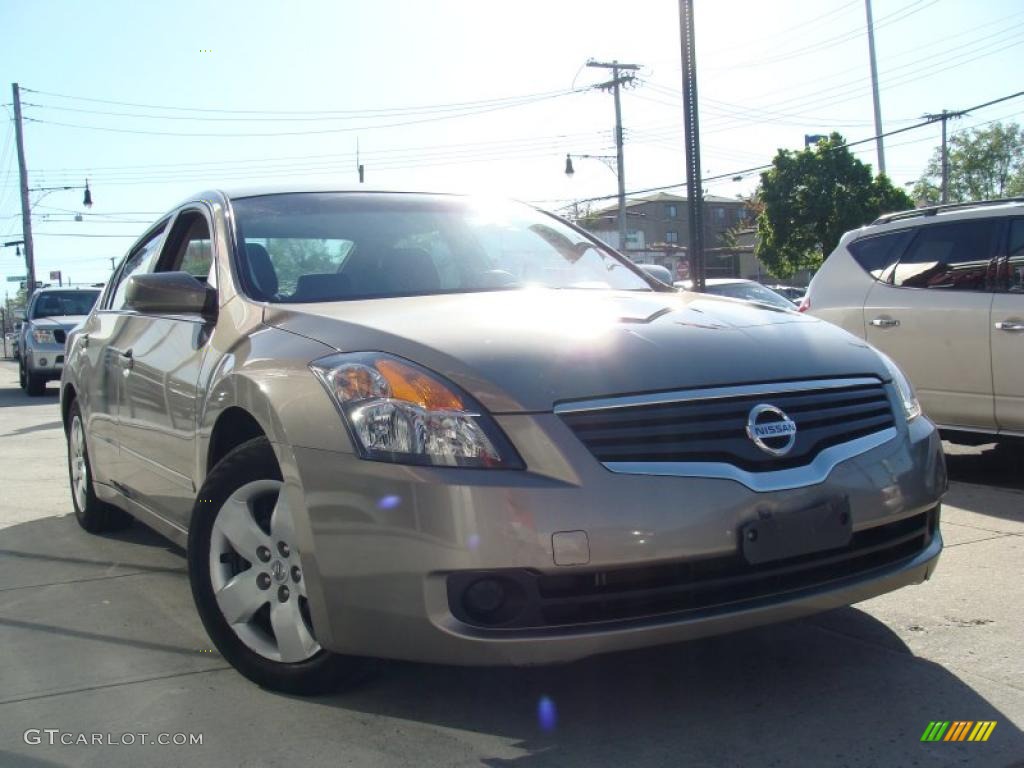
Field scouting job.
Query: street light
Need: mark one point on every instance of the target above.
(86, 198)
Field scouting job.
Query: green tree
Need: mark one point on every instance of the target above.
(294, 257)
(984, 164)
(810, 198)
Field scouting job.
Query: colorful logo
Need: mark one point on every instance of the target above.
(958, 730)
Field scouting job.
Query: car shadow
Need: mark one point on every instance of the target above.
(838, 689)
(1002, 467)
(15, 396)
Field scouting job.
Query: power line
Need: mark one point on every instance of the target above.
(744, 171)
(321, 131)
(1013, 36)
(85, 234)
(378, 111)
(854, 88)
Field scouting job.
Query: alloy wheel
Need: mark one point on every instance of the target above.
(79, 465)
(256, 575)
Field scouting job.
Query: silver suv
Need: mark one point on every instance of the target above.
(50, 316)
(941, 291)
(463, 431)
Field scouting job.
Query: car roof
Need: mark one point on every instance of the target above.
(997, 208)
(238, 193)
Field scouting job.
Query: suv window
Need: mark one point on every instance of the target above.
(877, 254)
(952, 256)
(59, 303)
(1011, 277)
(138, 261)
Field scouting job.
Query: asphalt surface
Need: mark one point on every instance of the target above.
(98, 635)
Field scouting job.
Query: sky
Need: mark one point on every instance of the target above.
(154, 101)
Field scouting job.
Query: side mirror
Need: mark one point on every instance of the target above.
(170, 293)
(658, 272)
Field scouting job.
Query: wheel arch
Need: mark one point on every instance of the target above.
(68, 394)
(281, 401)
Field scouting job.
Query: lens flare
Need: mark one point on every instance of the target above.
(547, 714)
(389, 502)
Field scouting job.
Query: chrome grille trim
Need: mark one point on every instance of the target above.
(781, 480)
(683, 395)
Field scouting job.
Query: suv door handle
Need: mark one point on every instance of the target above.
(1009, 325)
(885, 322)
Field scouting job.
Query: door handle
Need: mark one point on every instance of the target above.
(885, 322)
(1009, 325)
(126, 358)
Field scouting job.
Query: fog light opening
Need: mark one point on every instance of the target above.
(491, 600)
(484, 598)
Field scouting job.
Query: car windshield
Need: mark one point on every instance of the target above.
(58, 303)
(307, 247)
(750, 292)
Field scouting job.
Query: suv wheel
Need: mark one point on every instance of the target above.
(247, 580)
(92, 514)
(35, 384)
(22, 378)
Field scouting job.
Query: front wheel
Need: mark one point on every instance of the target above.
(247, 579)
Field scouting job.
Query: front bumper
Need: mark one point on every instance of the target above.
(381, 542)
(45, 359)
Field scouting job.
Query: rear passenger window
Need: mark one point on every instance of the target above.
(949, 256)
(877, 254)
(1012, 272)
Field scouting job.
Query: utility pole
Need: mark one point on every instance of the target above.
(944, 115)
(691, 134)
(879, 143)
(26, 211)
(614, 84)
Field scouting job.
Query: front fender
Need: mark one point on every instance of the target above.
(267, 375)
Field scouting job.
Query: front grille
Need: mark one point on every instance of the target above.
(673, 590)
(713, 429)
(59, 336)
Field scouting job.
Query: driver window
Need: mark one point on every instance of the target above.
(188, 247)
(137, 262)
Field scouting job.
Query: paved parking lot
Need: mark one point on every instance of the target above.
(99, 635)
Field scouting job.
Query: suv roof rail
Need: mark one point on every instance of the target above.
(931, 210)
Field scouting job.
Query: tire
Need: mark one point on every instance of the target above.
(35, 384)
(22, 378)
(236, 567)
(93, 515)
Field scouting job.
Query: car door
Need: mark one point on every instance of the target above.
(98, 363)
(162, 356)
(932, 317)
(1007, 329)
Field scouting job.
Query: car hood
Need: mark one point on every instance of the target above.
(528, 350)
(67, 322)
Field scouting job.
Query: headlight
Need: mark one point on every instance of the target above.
(397, 411)
(42, 336)
(911, 406)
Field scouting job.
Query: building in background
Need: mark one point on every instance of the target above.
(658, 231)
